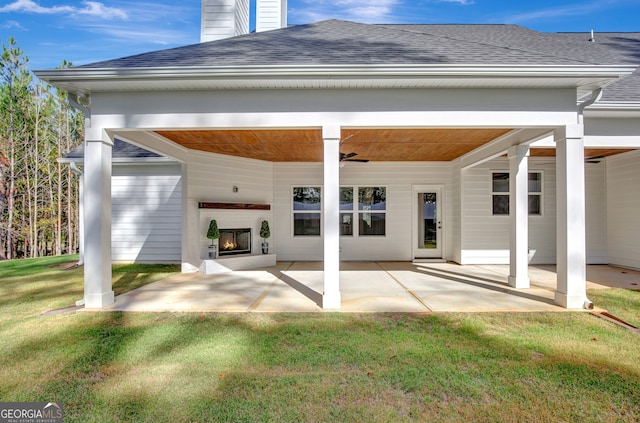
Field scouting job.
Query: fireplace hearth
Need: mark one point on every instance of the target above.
(234, 241)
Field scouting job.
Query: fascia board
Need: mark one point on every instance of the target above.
(617, 109)
(333, 72)
(336, 70)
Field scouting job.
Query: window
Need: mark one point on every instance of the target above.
(306, 211)
(500, 193)
(500, 199)
(372, 210)
(535, 193)
(346, 211)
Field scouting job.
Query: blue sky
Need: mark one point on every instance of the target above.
(50, 31)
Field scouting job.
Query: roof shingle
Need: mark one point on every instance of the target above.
(336, 42)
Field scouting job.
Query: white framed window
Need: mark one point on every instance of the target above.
(307, 211)
(365, 205)
(500, 193)
(372, 211)
(346, 211)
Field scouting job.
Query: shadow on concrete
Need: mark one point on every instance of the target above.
(468, 280)
(314, 296)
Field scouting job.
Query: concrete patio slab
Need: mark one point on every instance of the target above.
(365, 287)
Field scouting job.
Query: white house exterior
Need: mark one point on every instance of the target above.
(146, 204)
(456, 122)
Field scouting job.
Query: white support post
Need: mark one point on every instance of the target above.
(81, 219)
(519, 216)
(98, 291)
(571, 238)
(331, 198)
(191, 257)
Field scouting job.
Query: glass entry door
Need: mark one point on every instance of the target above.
(428, 222)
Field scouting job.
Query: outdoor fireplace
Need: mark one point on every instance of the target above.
(234, 241)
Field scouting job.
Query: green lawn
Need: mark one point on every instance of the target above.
(139, 367)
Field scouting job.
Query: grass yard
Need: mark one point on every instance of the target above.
(320, 367)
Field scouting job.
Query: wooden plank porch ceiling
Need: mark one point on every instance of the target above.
(305, 145)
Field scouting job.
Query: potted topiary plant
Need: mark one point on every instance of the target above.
(264, 234)
(213, 233)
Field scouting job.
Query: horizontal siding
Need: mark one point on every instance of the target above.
(486, 237)
(456, 213)
(397, 178)
(212, 178)
(146, 213)
(269, 14)
(224, 19)
(623, 209)
(596, 213)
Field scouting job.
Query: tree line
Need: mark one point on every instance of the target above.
(38, 195)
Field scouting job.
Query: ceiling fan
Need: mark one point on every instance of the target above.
(349, 157)
(595, 159)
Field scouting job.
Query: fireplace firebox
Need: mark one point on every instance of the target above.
(234, 241)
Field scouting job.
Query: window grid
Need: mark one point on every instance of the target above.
(500, 193)
(366, 204)
(307, 210)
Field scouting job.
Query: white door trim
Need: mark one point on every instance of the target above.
(423, 254)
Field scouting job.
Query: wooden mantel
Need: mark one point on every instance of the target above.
(234, 206)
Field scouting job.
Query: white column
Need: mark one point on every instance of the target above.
(519, 216)
(571, 244)
(98, 291)
(81, 219)
(331, 223)
(191, 256)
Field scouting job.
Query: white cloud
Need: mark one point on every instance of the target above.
(13, 25)
(29, 6)
(91, 8)
(558, 12)
(357, 10)
(94, 8)
(463, 2)
(141, 35)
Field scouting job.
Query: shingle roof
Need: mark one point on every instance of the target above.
(339, 42)
(625, 46)
(608, 48)
(336, 42)
(121, 150)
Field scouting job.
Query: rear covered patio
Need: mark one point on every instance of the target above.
(366, 287)
(423, 121)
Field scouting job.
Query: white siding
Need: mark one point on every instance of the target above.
(224, 19)
(457, 175)
(596, 213)
(271, 14)
(211, 178)
(623, 209)
(398, 178)
(146, 213)
(486, 237)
